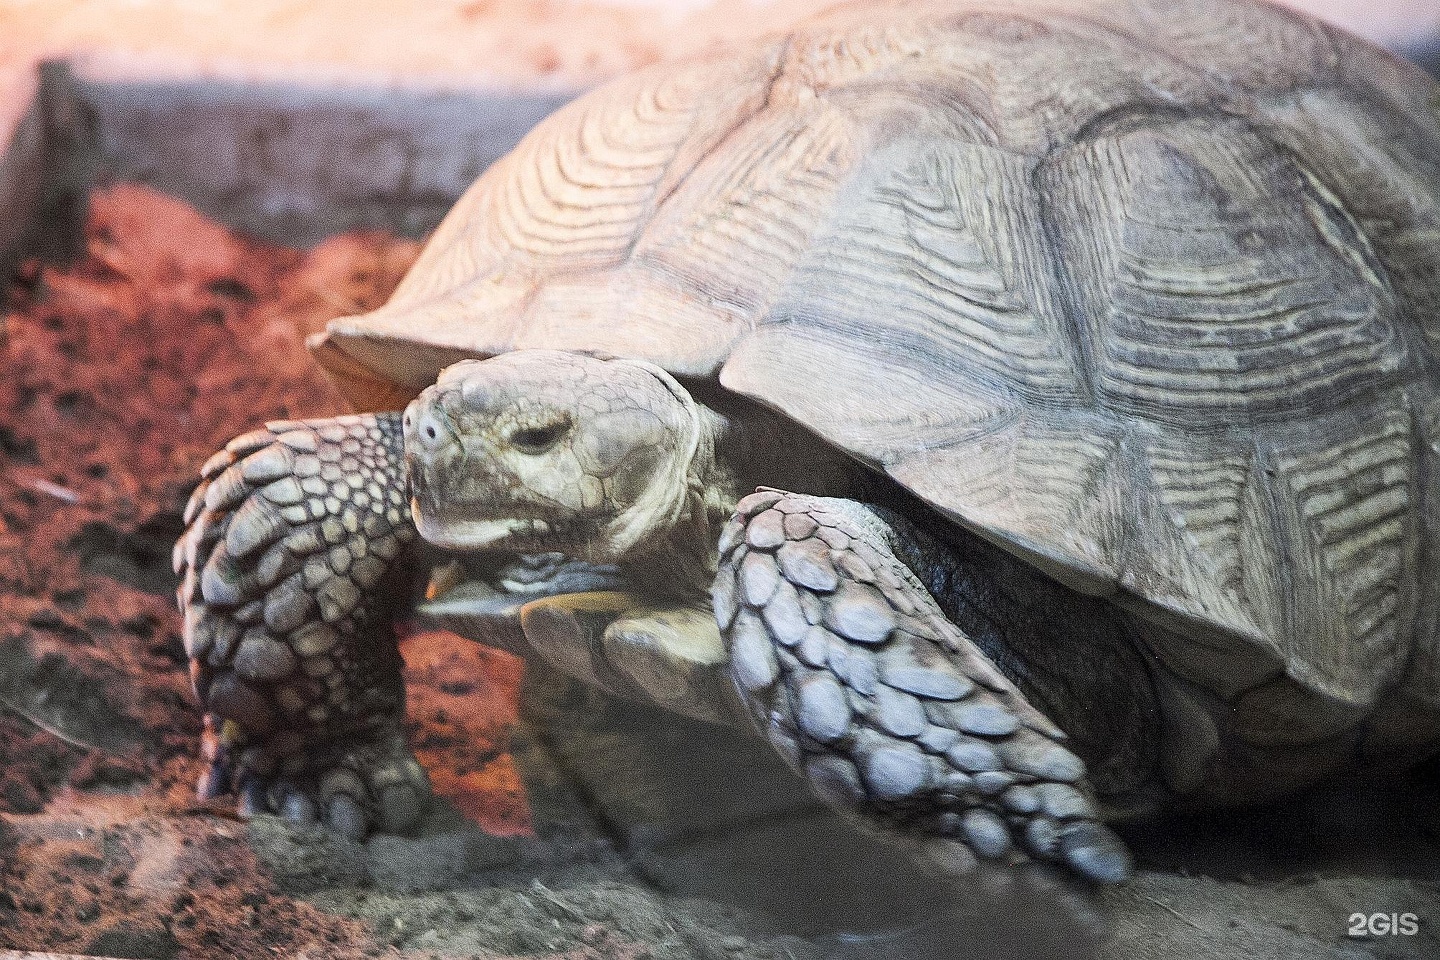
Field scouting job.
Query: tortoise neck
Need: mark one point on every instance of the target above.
(681, 561)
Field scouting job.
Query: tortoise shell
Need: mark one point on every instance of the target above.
(1144, 291)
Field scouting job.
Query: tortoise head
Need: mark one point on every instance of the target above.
(540, 450)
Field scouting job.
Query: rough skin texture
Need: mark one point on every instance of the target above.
(591, 457)
(851, 668)
(294, 533)
(855, 676)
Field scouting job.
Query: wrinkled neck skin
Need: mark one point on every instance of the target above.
(742, 446)
(679, 560)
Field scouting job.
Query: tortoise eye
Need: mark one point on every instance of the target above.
(533, 440)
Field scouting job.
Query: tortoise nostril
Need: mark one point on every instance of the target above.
(431, 429)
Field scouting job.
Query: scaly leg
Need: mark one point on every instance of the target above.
(292, 565)
(887, 709)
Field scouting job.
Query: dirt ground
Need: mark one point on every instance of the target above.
(569, 826)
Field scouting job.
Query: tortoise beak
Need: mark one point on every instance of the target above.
(473, 536)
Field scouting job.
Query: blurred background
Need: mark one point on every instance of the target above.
(1411, 27)
(567, 40)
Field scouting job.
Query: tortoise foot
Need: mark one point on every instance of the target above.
(289, 583)
(356, 785)
(885, 707)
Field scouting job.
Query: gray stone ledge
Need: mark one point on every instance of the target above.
(285, 157)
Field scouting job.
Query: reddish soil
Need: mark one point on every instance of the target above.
(123, 372)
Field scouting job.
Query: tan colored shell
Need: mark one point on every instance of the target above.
(1147, 292)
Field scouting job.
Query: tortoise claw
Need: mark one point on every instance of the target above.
(357, 788)
(295, 806)
(1096, 853)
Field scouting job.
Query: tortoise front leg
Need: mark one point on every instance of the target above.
(291, 569)
(889, 711)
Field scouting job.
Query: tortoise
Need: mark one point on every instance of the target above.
(1024, 419)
